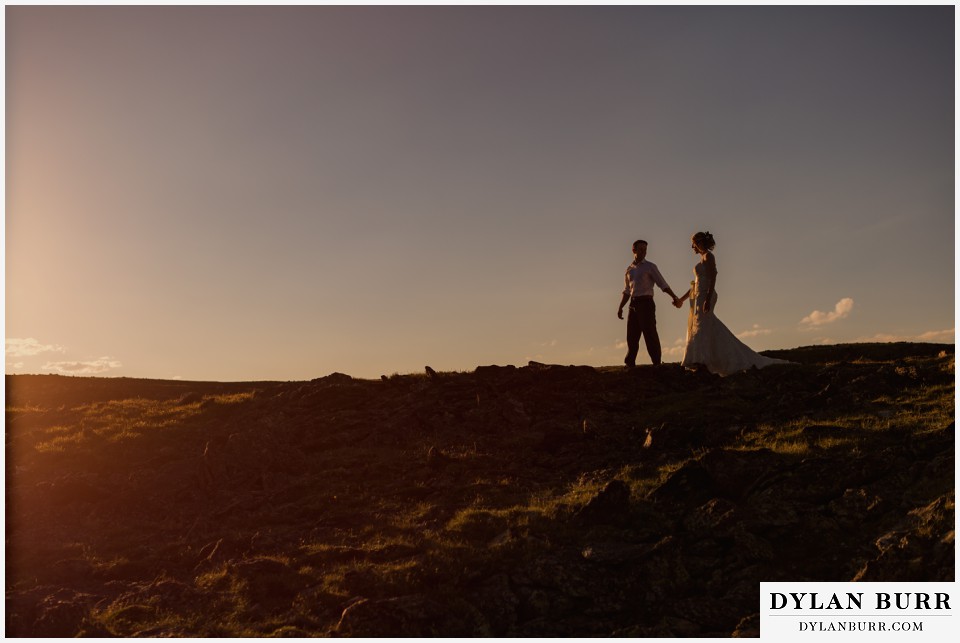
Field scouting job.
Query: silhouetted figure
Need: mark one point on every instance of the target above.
(639, 280)
(709, 342)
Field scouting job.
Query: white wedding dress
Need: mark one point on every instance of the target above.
(711, 343)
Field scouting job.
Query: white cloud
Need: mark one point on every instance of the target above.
(945, 336)
(91, 367)
(883, 337)
(756, 331)
(679, 346)
(17, 347)
(14, 365)
(818, 318)
(937, 336)
(620, 345)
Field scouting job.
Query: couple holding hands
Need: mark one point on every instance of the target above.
(709, 342)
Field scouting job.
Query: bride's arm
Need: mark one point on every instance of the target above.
(711, 263)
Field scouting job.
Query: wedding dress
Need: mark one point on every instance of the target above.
(711, 343)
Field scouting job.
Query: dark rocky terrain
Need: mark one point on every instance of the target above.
(536, 501)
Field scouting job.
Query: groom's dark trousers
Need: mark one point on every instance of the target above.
(642, 320)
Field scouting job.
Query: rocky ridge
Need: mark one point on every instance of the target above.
(537, 501)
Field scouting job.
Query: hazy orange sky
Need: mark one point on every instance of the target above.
(240, 193)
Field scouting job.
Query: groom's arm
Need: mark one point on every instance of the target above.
(679, 301)
(623, 301)
(664, 286)
(626, 293)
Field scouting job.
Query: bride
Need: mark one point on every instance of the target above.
(709, 342)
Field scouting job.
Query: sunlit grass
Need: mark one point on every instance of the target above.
(217, 580)
(26, 408)
(789, 447)
(232, 398)
(120, 420)
(60, 443)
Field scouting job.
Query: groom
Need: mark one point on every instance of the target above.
(639, 280)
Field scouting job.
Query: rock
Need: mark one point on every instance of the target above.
(498, 603)
(514, 413)
(334, 379)
(717, 515)
(494, 371)
(436, 458)
(610, 506)
(736, 472)
(616, 553)
(47, 612)
(269, 583)
(814, 432)
(670, 627)
(709, 613)
(854, 505)
(190, 398)
(771, 508)
(751, 547)
(410, 616)
(289, 632)
(690, 484)
(922, 549)
(568, 577)
(747, 628)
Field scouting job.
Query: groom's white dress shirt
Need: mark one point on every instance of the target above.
(640, 279)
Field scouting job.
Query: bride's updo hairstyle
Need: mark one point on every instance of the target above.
(704, 240)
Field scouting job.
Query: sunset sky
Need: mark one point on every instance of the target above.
(278, 193)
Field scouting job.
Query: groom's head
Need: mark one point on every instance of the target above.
(640, 249)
